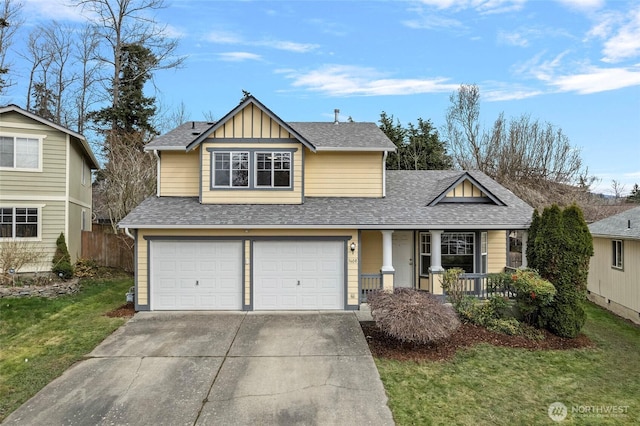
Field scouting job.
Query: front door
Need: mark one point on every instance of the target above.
(402, 258)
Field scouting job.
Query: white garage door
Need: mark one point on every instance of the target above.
(203, 275)
(298, 275)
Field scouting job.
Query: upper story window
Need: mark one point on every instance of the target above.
(231, 169)
(617, 251)
(273, 169)
(19, 153)
(19, 222)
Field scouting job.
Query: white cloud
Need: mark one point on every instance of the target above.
(625, 43)
(289, 46)
(482, 6)
(432, 21)
(518, 39)
(596, 80)
(59, 10)
(222, 37)
(239, 56)
(346, 80)
(586, 5)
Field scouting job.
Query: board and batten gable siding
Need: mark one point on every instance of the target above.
(465, 189)
(52, 179)
(343, 174)
(142, 249)
(251, 122)
(179, 173)
(252, 196)
(616, 289)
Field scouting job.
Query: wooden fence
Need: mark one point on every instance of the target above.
(108, 249)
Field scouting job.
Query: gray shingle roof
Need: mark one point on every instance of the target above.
(322, 135)
(618, 225)
(326, 135)
(408, 193)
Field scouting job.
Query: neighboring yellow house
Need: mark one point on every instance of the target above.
(614, 270)
(45, 184)
(255, 213)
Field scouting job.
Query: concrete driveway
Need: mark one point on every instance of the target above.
(220, 369)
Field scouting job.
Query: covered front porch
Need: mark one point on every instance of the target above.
(391, 259)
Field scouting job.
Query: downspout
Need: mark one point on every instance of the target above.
(384, 174)
(129, 234)
(155, 152)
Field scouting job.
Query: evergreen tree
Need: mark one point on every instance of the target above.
(634, 197)
(61, 263)
(532, 258)
(134, 111)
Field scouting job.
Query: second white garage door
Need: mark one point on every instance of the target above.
(304, 275)
(201, 275)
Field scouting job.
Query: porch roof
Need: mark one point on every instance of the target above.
(405, 207)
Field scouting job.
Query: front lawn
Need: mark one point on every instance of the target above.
(40, 338)
(504, 386)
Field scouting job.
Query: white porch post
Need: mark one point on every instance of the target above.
(387, 269)
(436, 251)
(525, 239)
(436, 268)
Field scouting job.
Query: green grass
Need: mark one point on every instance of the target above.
(501, 386)
(40, 338)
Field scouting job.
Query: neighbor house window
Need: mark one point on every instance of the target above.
(19, 153)
(425, 253)
(231, 169)
(617, 249)
(457, 250)
(273, 169)
(19, 222)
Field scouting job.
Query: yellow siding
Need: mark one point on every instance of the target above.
(496, 251)
(179, 173)
(621, 287)
(251, 122)
(343, 174)
(371, 249)
(261, 196)
(466, 189)
(352, 259)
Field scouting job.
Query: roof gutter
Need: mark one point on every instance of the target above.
(129, 234)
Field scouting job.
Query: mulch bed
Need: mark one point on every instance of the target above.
(384, 346)
(126, 310)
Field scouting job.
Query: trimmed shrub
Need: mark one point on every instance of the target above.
(533, 294)
(452, 286)
(61, 263)
(412, 316)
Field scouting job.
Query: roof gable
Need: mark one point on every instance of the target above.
(248, 108)
(466, 189)
(83, 142)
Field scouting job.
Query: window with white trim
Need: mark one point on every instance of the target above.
(273, 169)
(19, 153)
(231, 169)
(19, 222)
(484, 249)
(425, 253)
(617, 251)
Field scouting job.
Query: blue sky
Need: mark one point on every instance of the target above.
(573, 63)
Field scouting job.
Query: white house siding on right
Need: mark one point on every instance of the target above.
(616, 289)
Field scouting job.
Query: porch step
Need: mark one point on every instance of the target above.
(364, 314)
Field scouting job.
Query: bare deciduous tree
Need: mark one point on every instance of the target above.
(10, 22)
(125, 183)
(617, 187)
(16, 254)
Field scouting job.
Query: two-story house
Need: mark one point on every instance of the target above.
(45, 184)
(255, 213)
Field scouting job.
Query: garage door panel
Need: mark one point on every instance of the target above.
(281, 265)
(216, 267)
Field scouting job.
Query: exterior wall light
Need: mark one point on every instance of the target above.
(353, 247)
